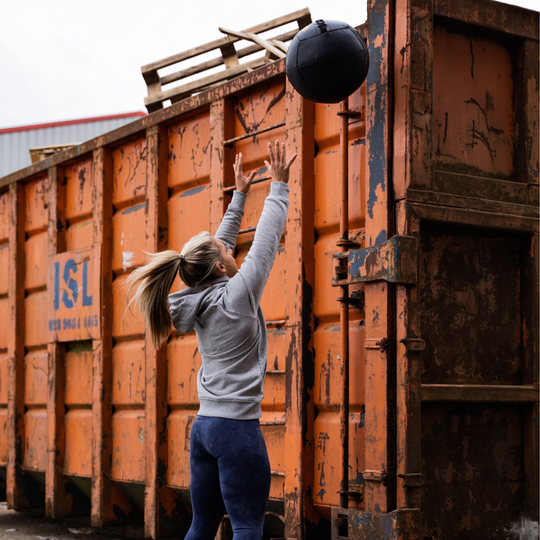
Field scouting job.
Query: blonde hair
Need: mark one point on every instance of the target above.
(195, 265)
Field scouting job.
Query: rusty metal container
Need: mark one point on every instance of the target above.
(427, 293)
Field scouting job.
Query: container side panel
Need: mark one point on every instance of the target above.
(278, 342)
(128, 238)
(79, 235)
(188, 215)
(78, 417)
(128, 245)
(78, 374)
(35, 417)
(259, 109)
(473, 104)
(79, 185)
(472, 458)
(4, 217)
(327, 190)
(37, 330)
(253, 208)
(3, 436)
(273, 300)
(275, 444)
(36, 226)
(327, 365)
(274, 392)
(189, 152)
(129, 166)
(4, 269)
(179, 428)
(37, 261)
(470, 293)
(327, 398)
(37, 217)
(273, 404)
(126, 323)
(327, 337)
(184, 361)
(128, 374)
(3, 380)
(327, 465)
(328, 123)
(4, 314)
(327, 166)
(78, 451)
(128, 446)
(35, 439)
(35, 377)
(3, 408)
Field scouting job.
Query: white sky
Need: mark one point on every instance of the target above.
(67, 59)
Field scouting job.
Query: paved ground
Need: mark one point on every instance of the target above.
(29, 526)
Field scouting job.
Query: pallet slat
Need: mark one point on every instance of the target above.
(276, 49)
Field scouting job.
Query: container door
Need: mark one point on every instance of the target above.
(465, 171)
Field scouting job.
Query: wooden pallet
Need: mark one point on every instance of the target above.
(275, 48)
(43, 152)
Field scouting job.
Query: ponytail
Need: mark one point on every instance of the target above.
(156, 280)
(195, 265)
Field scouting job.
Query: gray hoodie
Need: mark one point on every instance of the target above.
(227, 316)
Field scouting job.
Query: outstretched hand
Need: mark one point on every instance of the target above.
(243, 183)
(279, 166)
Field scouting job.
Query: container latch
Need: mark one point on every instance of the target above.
(395, 261)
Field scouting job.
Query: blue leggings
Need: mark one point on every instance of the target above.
(230, 472)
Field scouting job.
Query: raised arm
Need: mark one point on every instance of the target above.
(230, 224)
(260, 258)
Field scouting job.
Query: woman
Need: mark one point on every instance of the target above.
(230, 471)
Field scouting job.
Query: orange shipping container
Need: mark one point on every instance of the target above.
(401, 397)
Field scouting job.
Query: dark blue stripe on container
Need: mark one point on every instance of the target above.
(134, 208)
(193, 191)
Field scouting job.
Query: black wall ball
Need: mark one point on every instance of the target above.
(327, 61)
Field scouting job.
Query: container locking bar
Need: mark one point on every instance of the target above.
(230, 142)
(229, 189)
(395, 261)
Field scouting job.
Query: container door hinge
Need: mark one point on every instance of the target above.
(413, 344)
(371, 475)
(355, 492)
(395, 261)
(412, 479)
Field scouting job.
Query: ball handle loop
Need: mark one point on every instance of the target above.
(323, 27)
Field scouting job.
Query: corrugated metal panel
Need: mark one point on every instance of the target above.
(430, 429)
(15, 145)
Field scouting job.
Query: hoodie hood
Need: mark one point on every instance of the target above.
(187, 305)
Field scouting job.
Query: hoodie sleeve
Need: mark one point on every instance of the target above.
(253, 274)
(230, 225)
